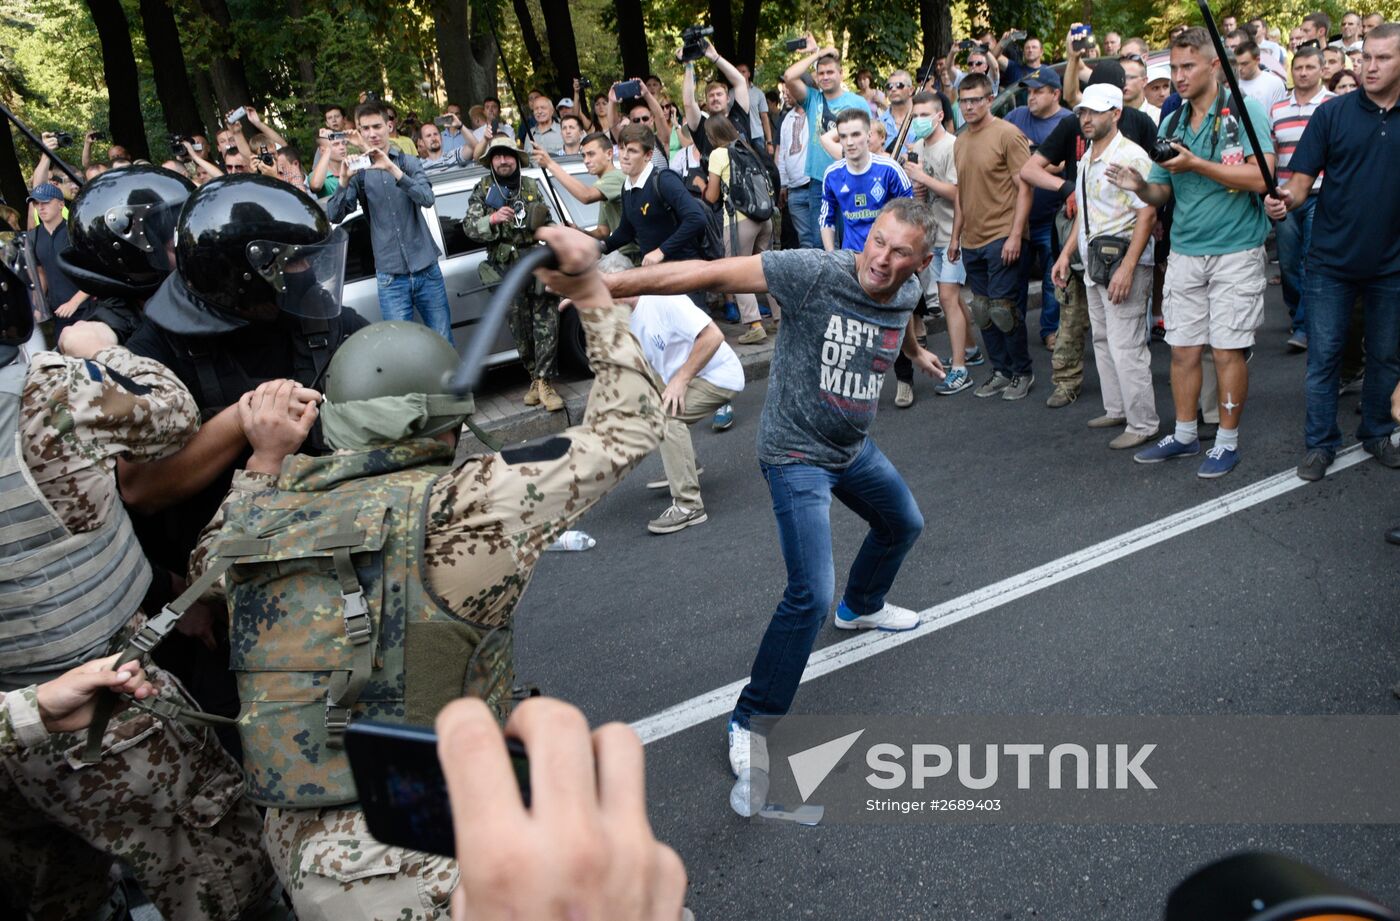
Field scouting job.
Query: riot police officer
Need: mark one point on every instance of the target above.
(504, 211)
(121, 227)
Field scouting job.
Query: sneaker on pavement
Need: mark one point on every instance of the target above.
(665, 484)
(676, 518)
(1315, 464)
(747, 749)
(1061, 397)
(903, 395)
(994, 385)
(1127, 440)
(1166, 449)
(752, 336)
(957, 380)
(887, 618)
(1298, 342)
(1107, 422)
(724, 418)
(532, 396)
(731, 312)
(974, 356)
(1219, 461)
(549, 397)
(764, 310)
(1018, 388)
(1384, 450)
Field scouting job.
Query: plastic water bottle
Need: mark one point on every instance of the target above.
(750, 792)
(573, 540)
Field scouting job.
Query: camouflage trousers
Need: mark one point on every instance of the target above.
(164, 799)
(1067, 361)
(534, 322)
(335, 871)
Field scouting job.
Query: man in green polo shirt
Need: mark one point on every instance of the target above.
(606, 189)
(1215, 278)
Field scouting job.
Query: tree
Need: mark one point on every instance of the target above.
(177, 102)
(746, 45)
(632, 38)
(538, 63)
(225, 68)
(559, 29)
(722, 21)
(306, 64)
(466, 51)
(936, 25)
(123, 81)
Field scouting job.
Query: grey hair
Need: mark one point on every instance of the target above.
(915, 213)
(613, 263)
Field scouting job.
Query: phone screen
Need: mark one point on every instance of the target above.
(401, 786)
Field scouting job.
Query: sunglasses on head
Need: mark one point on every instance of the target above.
(1133, 57)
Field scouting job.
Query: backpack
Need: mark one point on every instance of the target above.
(712, 240)
(749, 191)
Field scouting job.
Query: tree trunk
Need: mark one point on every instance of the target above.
(177, 101)
(936, 23)
(559, 29)
(746, 42)
(225, 67)
(539, 64)
(485, 55)
(722, 21)
(123, 83)
(454, 50)
(206, 100)
(306, 61)
(632, 38)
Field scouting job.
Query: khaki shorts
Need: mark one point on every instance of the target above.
(1215, 300)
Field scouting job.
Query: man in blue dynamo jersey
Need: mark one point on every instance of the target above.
(859, 185)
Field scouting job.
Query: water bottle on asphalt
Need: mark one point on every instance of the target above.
(573, 540)
(750, 791)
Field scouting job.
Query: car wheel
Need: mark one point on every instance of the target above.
(573, 352)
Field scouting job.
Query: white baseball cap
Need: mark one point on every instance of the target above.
(566, 103)
(1159, 71)
(1100, 98)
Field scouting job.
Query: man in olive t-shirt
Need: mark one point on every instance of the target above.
(607, 186)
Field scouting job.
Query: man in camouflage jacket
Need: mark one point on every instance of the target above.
(164, 799)
(488, 520)
(504, 211)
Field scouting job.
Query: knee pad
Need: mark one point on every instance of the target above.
(981, 311)
(1002, 313)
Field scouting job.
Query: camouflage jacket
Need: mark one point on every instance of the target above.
(20, 724)
(504, 239)
(78, 417)
(491, 516)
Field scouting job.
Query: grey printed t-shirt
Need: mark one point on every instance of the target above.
(832, 354)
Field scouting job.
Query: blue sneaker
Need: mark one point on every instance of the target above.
(764, 310)
(971, 357)
(731, 312)
(1166, 449)
(724, 418)
(1219, 461)
(957, 381)
(887, 619)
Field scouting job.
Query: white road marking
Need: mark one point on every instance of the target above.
(720, 701)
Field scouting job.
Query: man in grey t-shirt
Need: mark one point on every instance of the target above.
(845, 318)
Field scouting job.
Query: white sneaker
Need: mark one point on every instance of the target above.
(903, 395)
(747, 749)
(887, 618)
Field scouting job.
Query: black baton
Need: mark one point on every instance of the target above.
(468, 373)
(1225, 65)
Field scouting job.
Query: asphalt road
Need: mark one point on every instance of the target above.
(1288, 607)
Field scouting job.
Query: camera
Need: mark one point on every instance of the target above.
(177, 144)
(584, 83)
(443, 121)
(338, 135)
(1082, 37)
(357, 163)
(1016, 36)
(628, 89)
(796, 44)
(266, 157)
(62, 139)
(97, 136)
(1162, 150)
(239, 114)
(693, 39)
(371, 95)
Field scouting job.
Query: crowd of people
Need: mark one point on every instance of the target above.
(220, 462)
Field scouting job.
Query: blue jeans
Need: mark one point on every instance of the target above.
(1294, 236)
(811, 234)
(400, 294)
(988, 276)
(874, 490)
(799, 209)
(1329, 301)
(1043, 246)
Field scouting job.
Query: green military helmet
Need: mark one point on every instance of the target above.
(398, 359)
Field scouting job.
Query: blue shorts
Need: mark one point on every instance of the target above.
(942, 272)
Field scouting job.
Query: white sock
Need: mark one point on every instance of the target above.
(1227, 438)
(1186, 432)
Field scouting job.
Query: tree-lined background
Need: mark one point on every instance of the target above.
(142, 69)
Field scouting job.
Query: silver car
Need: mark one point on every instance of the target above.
(461, 257)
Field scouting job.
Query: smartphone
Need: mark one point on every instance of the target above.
(1080, 37)
(796, 44)
(443, 121)
(629, 89)
(337, 135)
(357, 163)
(237, 115)
(401, 786)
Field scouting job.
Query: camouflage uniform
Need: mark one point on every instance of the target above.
(488, 520)
(164, 799)
(534, 318)
(1067, 360)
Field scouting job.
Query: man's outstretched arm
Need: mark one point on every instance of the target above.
(738, 275)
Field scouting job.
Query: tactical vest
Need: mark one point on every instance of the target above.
(501, 253)
(332, 619)
(63, 596)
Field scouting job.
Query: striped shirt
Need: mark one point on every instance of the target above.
(1289, 118)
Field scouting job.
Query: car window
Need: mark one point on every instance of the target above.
(583, 215)
(359, 255)
(451, 208)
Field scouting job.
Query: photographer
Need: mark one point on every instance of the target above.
(1017, 62)
(606, 189)
(393, 190)
(1215, 277)
(452, 134)
(717, 102)
(269, 142)
(643, 109)
(821, 108)
(330, 172)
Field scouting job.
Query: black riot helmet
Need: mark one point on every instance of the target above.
(16, 315)
(120, 228)
(248, 248)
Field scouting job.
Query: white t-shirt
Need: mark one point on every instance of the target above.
(666, 325)
(1266, 89)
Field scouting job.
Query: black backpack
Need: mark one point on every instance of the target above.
(749, 191)
(712, 240)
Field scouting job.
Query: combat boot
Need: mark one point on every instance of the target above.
(532, 396)
(548, 396)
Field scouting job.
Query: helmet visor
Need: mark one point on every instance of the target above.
(308, 280)
(16, 315)
(150, 228)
